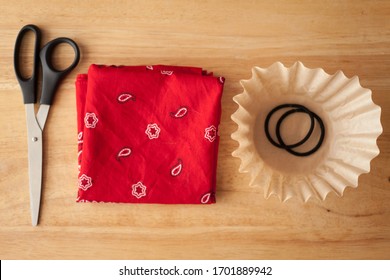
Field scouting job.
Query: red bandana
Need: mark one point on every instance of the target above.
(148, 134)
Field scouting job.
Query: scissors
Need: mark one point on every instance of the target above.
(36, 122)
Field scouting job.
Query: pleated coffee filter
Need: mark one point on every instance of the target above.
(351, 121)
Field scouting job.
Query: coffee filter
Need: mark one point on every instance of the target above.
(351, 121)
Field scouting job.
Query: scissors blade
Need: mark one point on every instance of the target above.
(34, 141)
(43, 111)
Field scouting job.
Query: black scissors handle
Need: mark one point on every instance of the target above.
(51, 76)
(29, 84)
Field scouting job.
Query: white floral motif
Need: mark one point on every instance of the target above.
(150, 67)
(85, 182)
(153, 131)
(90, 120)
(138, 190)
(210, 133)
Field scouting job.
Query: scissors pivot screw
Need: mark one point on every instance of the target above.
(34, 139)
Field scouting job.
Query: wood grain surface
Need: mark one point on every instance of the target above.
(228, 38)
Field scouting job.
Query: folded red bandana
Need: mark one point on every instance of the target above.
(148, 134)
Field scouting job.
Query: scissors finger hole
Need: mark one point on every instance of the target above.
(26, 55)
(62, 56)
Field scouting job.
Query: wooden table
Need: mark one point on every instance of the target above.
(228, 38)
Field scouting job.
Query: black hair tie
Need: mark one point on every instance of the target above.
(296, 108)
